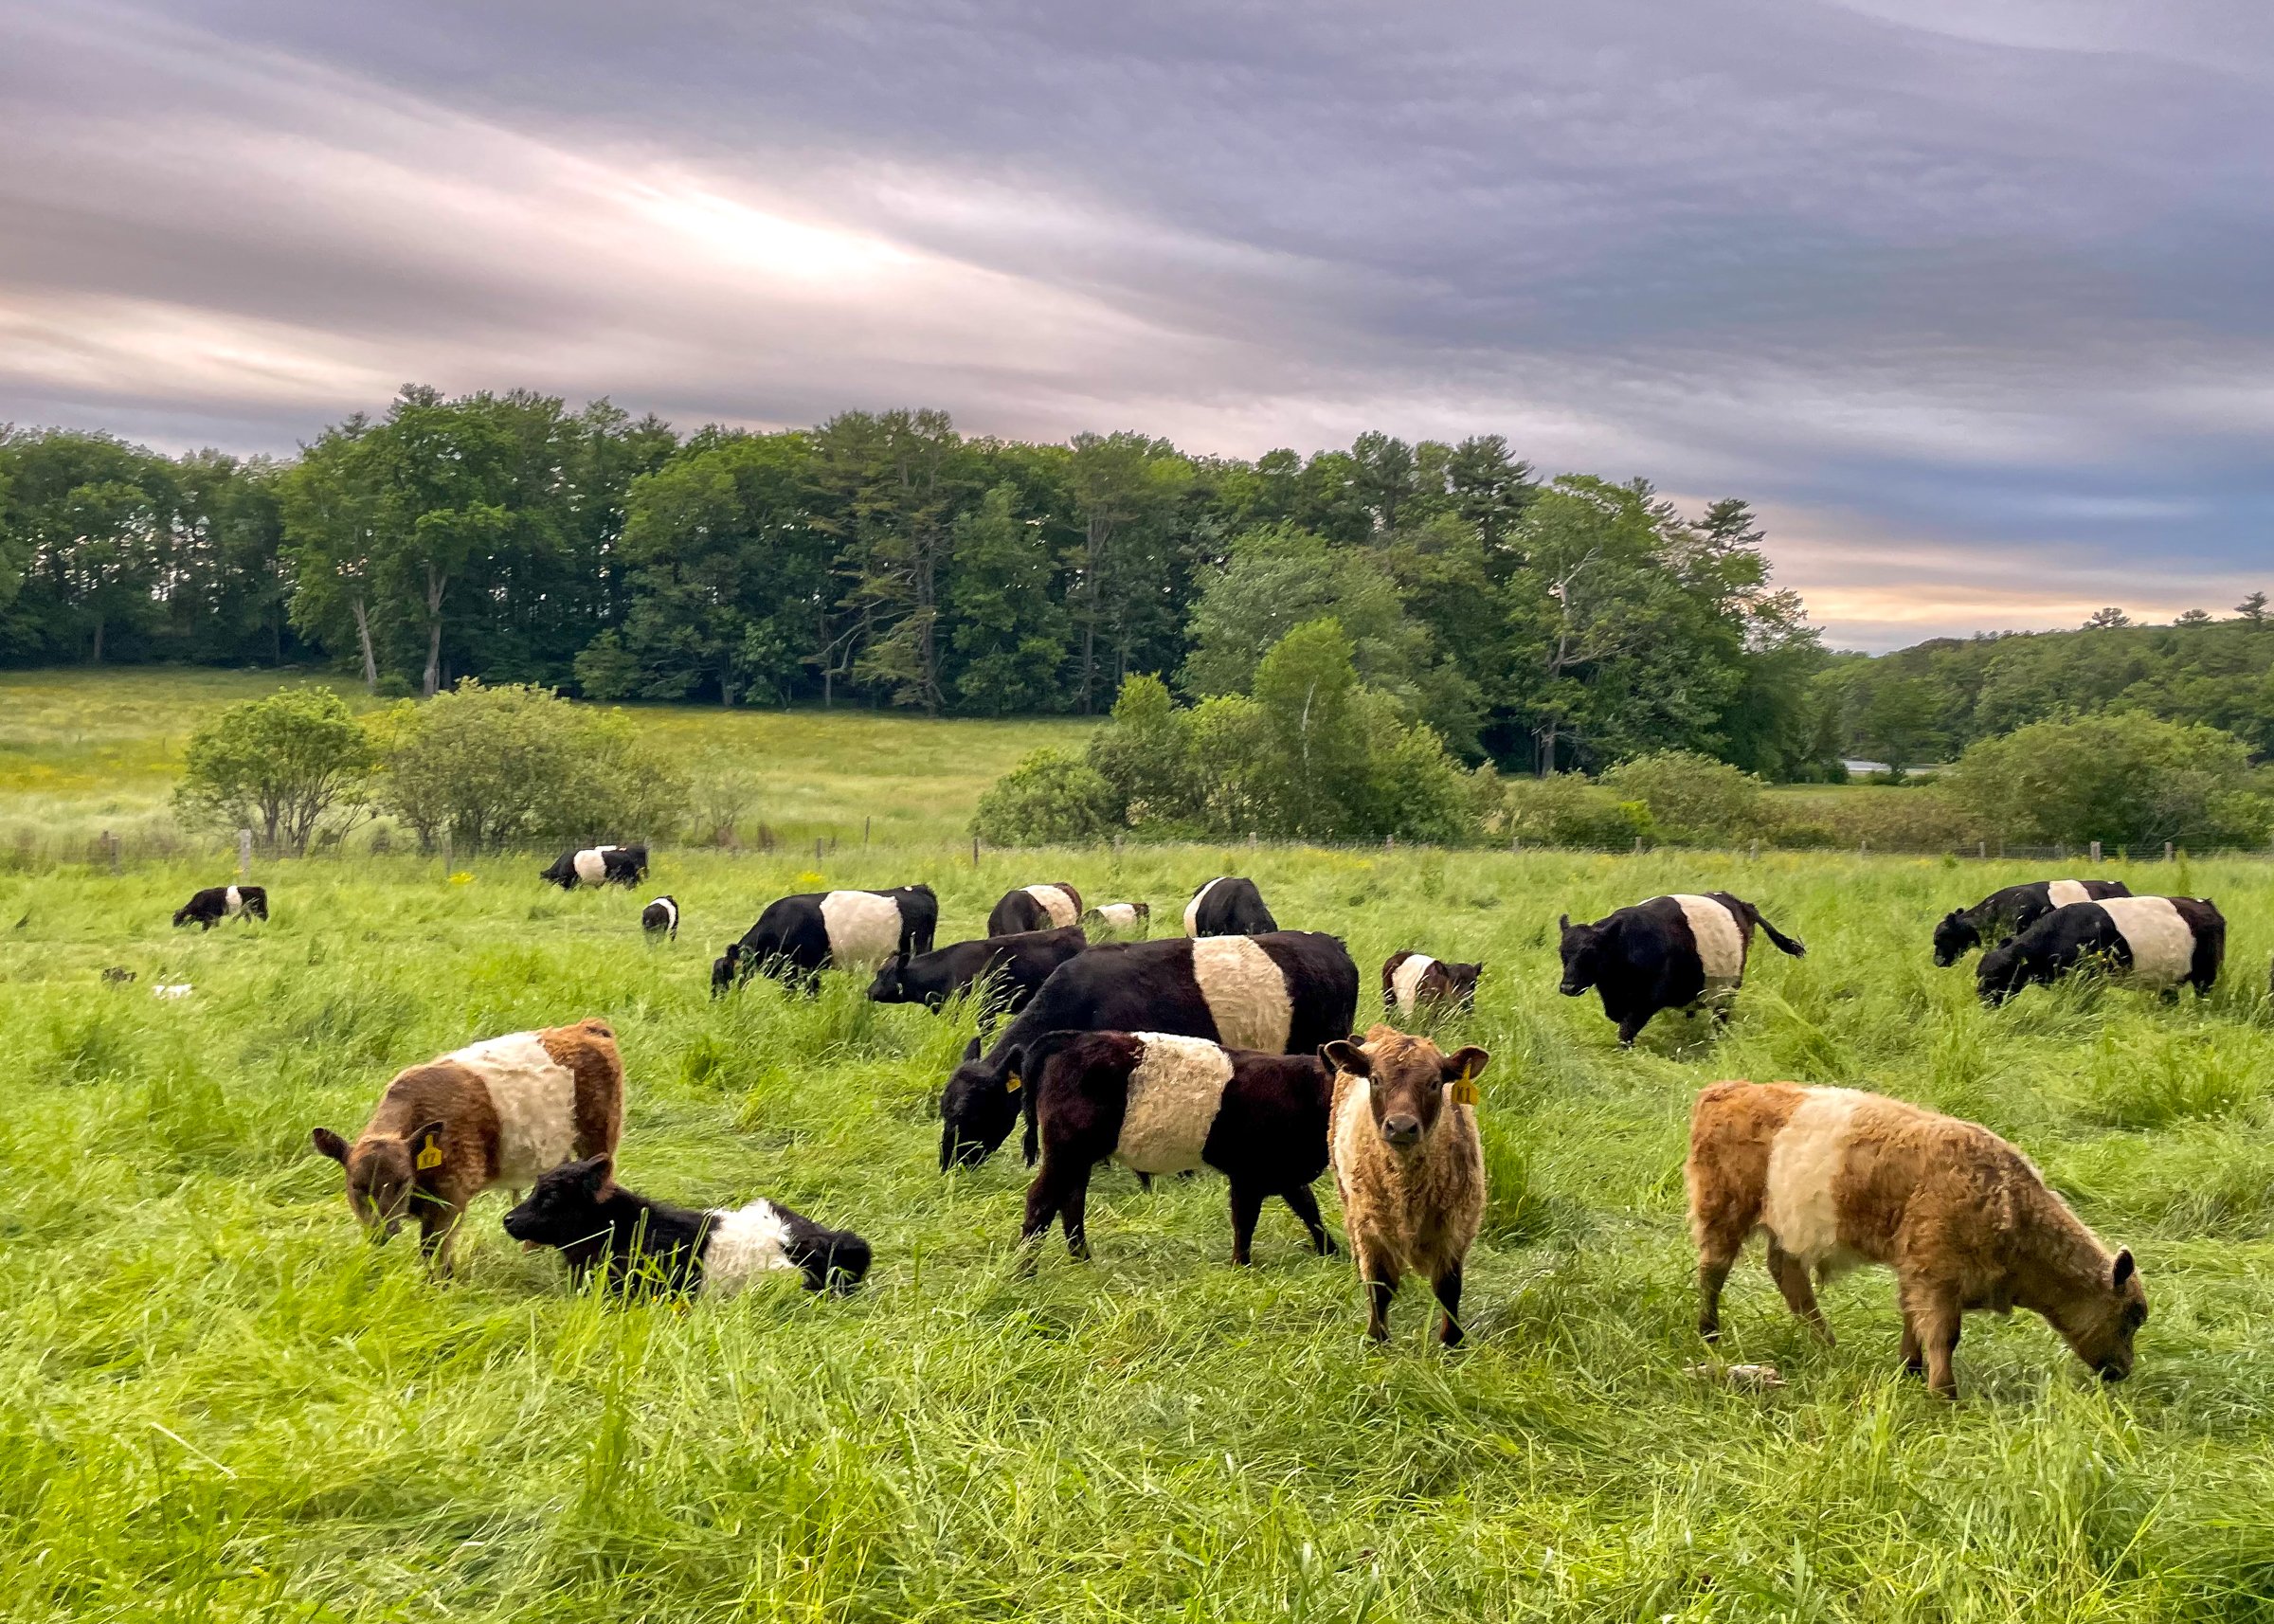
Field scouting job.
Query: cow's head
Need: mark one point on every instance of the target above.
(1582, 946)
(383, 1174)
(1954, 937)
(1406, 1080)
(891, 985)
(978, 1107)
(724, 967)
(183, 914)
(1460, 981)
(2001, 973)
(563, 1206)
(2101, 1320)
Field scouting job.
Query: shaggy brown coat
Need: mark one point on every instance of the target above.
(1409, 1166)
(443, 1114)
(1836, 1178)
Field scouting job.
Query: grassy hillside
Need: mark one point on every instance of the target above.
(85, 750)
(216, 1402)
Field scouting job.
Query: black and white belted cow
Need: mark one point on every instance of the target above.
(661, 918)
(798, 937)
(2156, 943)
(1050, 906)
(1414, 982)
(2012, 911)
(597, 865)
(1669, 952)
(1228, 907)
(215, 903)
(1282, 993)
(1119, 918)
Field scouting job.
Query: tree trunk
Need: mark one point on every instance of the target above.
(436, 585)
(1544, 762)
(362, 634)
(98, 658)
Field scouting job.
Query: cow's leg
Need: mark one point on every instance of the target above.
(1913, 1360)
(1791, 1275)
(1074, 1209)
(1629, 1028)
(1934, 1313)
(438, 1234)
(1448, 1299)
(1306, 1207)
(1380, 1278)
(1719, 1247)
(1247, 1206)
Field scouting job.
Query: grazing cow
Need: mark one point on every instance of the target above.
(2156, 943)
(1021, 965)
(1409, 1166)
(662, 915)
(1228, 907)
(583, 1213)
(1669, 952)
(1285, 993)
(1051, 906)
(1121, 918)
(597, 865)
(1412, 982)
(215, 903)
(500, 1112)
(2010, 912)
(1159, 1103)
(798, 937)
(1836, 1178)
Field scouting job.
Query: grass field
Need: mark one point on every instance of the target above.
(217, 1403)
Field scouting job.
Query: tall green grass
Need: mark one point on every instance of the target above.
(217, 1402)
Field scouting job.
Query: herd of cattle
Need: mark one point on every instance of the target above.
(1232, 1047)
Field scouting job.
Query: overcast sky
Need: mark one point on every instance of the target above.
(1978, 312)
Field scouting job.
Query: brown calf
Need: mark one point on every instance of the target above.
(1409, 1166)
(500, 1111)
(1836, 1178)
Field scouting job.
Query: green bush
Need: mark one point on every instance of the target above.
(1050, 798)
(1565, 809)
(1145, 755)
(1693, 799)
(2123, 778)
(1894, 820)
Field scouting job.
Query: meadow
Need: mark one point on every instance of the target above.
(217, 1402)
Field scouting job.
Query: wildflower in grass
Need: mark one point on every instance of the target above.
(807, 878)
(462, 877)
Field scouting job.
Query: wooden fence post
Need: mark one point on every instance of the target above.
(1515, 844)
(1753, 851)
(2095, 851)
(864, 832)
(1982, 849)
(2166, 851)
(975, 851)
(1638, 845)
(244, 854)
(816, 850)
(446, 854)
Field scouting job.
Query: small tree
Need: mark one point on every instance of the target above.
(280, 764)
(1050, 798)
(1146, 754)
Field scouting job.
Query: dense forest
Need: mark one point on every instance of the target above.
(882, 558)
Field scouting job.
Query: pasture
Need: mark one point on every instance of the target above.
(217, 1402)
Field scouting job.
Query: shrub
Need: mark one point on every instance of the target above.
(282, 766)
(1893, 820)
(495, 766)
(2124, 778)
(1145, 754)
(1050, 798)
(1693, 799)
(1565, 809)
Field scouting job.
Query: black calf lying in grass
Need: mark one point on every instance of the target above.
(1162, 1104)
(580, 1210)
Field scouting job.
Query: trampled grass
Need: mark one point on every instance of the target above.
(216, 1402)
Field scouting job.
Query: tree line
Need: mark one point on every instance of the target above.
(884, 558)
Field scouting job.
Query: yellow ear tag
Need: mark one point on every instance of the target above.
(1464, 1091)
(431, 1157)
(1013, 1086)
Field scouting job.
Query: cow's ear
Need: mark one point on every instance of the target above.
(329, 1144)
(1562, 921)
(1345, 1054)
(2125, 1270)
(1465, 1064)
(971, 1051)
(596, 1174)
(427, 1146)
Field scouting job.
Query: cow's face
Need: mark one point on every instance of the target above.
(1406, 1080)
(1583, 949)
(1954, 937)
(1460, 981)
(724, 967)
(2100, 1327)
(890, 984)
(563, 1206)
(2000, 974)
(977, 1110)
(382, 1176)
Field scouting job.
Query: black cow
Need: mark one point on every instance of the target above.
(1162, 1104)
(597, 865)
(798, 937)
(649, 1245)
(662, 915)
(2159, 943)
(1669, 952)
(1051, 906)
(2010, 912)
(215, 903)
(1021, 965)
(1229, 906)
(1284, 992)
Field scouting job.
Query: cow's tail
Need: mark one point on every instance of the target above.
(1784, 944)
